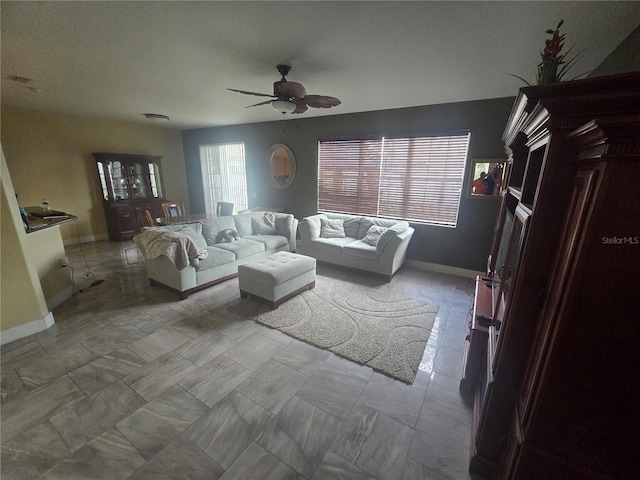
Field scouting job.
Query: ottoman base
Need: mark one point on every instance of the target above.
(276, 304)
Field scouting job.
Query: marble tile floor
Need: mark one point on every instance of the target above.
(132, 383)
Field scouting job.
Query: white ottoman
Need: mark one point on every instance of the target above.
(277, 277)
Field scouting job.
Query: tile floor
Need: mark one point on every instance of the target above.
(131, 382)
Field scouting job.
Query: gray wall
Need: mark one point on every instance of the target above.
(465, 246)
(625, 58)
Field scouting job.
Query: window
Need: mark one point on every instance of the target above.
(418, 179)
(224, 176)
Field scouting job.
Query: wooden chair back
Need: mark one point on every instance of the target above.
(145, 218)
(173, 209)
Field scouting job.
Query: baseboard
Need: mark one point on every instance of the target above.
(60, 298)
(26, 329)
(435, 267)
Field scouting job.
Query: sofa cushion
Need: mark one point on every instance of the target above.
(216, 257)
(284, 224)
(243, 247)
(360, 249)
(391, 232)
(211, 228)
(271, 242)
(365, 224)
(373, 234)
(385, 222)
(191, 230)
(331, 228)
(331, 244)
(352, 226)
(313, 225)
(264, 225)
(351, 223)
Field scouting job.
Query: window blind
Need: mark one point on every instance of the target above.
(418, 179)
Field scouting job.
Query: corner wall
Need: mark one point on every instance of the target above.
(49, 156)
(22, 301)
(465, 246)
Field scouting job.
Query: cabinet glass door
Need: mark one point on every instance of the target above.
(118, 177)
(155, 180)
(506, 269)
(138, 183)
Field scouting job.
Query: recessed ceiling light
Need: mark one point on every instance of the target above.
(156, 117)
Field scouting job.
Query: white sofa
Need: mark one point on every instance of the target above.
(376, 245)
(260, 234)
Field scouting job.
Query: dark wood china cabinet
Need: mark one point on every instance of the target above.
(557, 396)
(130, 185)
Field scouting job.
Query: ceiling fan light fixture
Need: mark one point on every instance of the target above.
(283, 106)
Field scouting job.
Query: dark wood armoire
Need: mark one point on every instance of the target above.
(558, 397)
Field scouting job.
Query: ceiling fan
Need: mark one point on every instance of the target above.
(291, 97)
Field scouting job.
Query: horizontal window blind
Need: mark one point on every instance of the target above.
(417, 179)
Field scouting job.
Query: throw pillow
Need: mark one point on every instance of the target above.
(331, 228)
(226, 236)
(351, 227)
(265, 225)
(373, 234)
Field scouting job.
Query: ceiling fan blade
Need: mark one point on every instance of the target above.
(252, 93)
(292, 89)
(321, 101)
(301, 107)
(258, 104)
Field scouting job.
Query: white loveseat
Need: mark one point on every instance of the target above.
(373, 244)
(259, 235)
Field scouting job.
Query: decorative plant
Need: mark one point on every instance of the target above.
(554, 65)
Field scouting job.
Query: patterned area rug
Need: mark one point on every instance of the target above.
(367, 325)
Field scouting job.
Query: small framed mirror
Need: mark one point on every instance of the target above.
(487, 178)
(280, 166)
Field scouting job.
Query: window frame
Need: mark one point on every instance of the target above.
(401, 188)
(220, 190)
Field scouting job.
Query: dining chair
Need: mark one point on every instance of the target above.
(173, 209)
(224, 209)
(145, 218)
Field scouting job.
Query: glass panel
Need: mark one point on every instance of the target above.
(103, 181)
(118, 181)
(224, 176)
(138, 185)
(154, 180)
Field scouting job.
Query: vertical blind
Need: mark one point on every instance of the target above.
(417, 179)
(224, 176)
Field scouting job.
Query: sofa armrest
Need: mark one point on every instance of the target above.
(396, 241)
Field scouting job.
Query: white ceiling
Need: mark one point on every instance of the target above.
(118, 60)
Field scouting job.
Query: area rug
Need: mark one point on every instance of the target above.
(367, 325)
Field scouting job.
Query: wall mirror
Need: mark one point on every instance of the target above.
(487, 178)
(280, 166)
